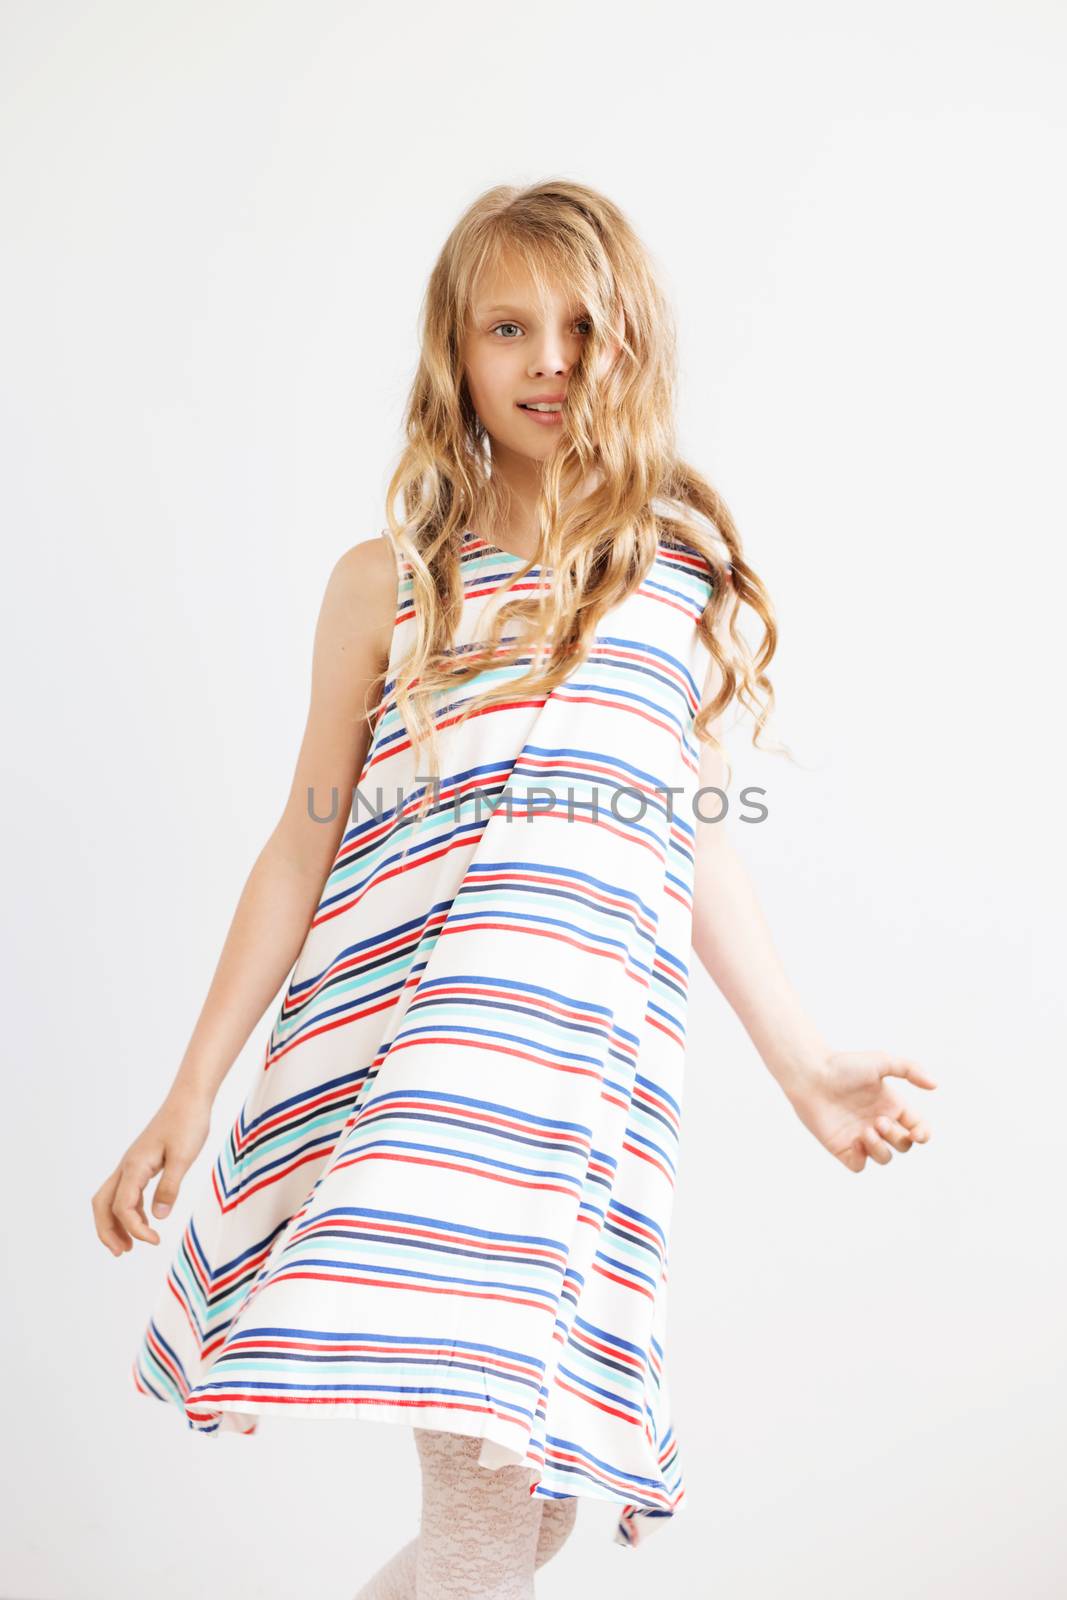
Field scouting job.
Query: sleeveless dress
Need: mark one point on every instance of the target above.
(446, 1200)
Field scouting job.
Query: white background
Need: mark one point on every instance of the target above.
(217, 221)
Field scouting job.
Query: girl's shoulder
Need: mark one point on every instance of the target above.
(364, 585)
(372, 562)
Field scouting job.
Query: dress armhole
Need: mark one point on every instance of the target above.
(387, 535)
(401, 625)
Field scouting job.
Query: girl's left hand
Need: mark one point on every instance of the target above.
(847, 1102)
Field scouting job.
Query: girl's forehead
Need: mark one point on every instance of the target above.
(517, 291)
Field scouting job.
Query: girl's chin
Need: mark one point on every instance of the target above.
(535, 443)
(535, 440)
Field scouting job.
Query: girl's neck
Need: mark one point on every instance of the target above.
(518, 532)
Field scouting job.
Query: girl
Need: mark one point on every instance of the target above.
(446, 1201)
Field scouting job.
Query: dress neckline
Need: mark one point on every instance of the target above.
(496, 549)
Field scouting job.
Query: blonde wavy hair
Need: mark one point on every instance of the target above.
(617, 429)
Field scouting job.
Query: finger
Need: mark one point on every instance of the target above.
(876, 1147)
(915, 1127)
(169, 1183)
(108, 1230)
(893, 1132)
(899, 1067)
(128, 1206)
(855, 1157)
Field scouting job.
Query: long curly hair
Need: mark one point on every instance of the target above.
(618, 430)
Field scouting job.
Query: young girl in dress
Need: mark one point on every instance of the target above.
(446, 1200)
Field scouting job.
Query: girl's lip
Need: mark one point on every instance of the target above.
(545, 418)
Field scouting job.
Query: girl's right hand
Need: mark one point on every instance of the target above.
(171, 1142)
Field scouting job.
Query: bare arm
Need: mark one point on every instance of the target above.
(843, 1097)
(283, 888)
(351, 652)
(733, 941)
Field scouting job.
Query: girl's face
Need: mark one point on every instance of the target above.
(511, 355)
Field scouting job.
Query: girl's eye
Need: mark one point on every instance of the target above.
(586, 320)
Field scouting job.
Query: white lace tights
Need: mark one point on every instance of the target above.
(481, 1532)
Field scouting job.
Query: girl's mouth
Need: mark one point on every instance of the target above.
(545, 418)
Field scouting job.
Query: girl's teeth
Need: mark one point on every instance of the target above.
(541, 408)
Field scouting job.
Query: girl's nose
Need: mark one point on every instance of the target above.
(552, 359)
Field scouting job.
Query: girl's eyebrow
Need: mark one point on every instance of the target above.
(496, 311)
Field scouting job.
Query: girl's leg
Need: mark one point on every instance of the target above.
(396, 1580)
(557, 1524)
(479, 1526)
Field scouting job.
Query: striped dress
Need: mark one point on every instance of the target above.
(446, 1200)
